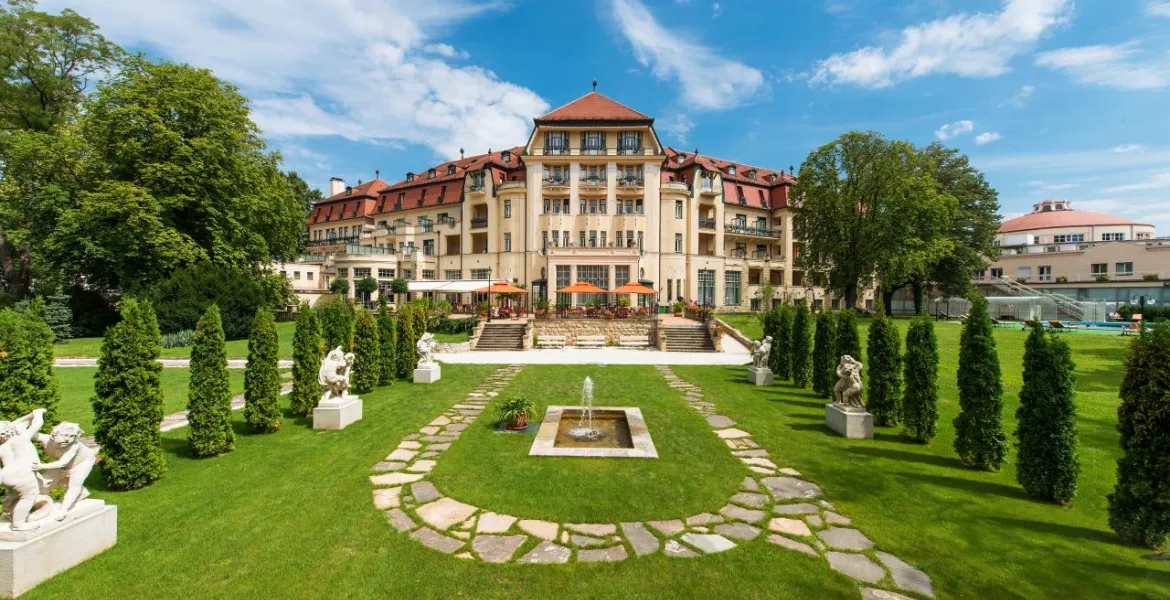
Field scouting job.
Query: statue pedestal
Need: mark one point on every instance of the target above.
(851, 424)
(428, 373)
(30, 557)
(761, 376)
(337, 416)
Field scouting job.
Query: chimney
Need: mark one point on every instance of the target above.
(336, 186)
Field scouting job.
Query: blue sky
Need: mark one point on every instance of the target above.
(1050, 98)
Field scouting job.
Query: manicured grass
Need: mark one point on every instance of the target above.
(694, 472)
(747, 323)
(289, 515)
(977, 534)
(451, 338)
(77, 392)
(92, 347)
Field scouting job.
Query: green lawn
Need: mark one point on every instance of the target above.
(92, 347)
(694, 472)
(747, 323)
(977, 534)
(451, 338)
(77, 392)
(290, 514)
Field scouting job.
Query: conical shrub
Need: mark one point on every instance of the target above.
(262, 375)
(801, 345)
(781, 356)
(386, 341)
(823, 365)
(848, 339)
(306, 391)
(979, 438)
(209, 393)
(26, 367)
(366, 362)
(1046, 431)
(920, 397)
(884, 357)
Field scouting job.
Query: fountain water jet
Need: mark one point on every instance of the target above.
(585, 431)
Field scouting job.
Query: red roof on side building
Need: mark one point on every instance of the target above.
(1050, 219)
(594, 107)
(328, 212)
(762, 188)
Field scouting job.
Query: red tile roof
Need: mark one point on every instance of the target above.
(769, 189)
(445, 187)
(594, 107)
(369, 188)
(1062, 218)
(328, 212)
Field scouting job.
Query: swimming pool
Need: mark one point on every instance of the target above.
(1100, 324)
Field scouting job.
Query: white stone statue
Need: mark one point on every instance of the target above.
(334, 376)
(760, 352)
(847, 392)
(426, 349)
(72, 462)
(24, 504)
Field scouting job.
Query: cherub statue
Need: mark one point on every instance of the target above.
(334, 376)
(426, 349)
(18, 460)
(72, 462)
(760, 352)
(847, 392)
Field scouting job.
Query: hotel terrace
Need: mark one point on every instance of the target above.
(593, 196)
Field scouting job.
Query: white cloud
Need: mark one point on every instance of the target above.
(716, 10)
(950, 130)
(1128, 148)
(367, 70)
(1156, 181)
(1158, 8)
(446, 50)
(968, 45)
(708, 80)
(987, 137)
(1021, 98)
(677, 125)
(1114, 66)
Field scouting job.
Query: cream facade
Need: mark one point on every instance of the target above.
(592, 196)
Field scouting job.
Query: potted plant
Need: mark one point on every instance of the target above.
(482, 308)
(541, 307)
(677, 308)
(516, 410)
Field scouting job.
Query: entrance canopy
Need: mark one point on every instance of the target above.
(456, 286)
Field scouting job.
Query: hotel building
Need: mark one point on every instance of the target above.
(593, 195)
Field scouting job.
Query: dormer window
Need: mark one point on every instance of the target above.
(679, 158)
(348, 190)
(409, 177)
(630, 142)
(751, 173)
(731, 169)
(450, 169)
(506, 156)
(556, 142)
(430, 174)
(593, 142)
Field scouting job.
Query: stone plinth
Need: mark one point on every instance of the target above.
(29, 557)
(428, 373)
(337, 416)
(851, 424)
(761, 376)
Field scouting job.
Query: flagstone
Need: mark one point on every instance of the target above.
(740, 513)
(784, 488)
(906, 576)
(425, 491)
(422, 466)
(780, 540)
(739, 531)
(445, 512)
(402, 454)
(708, 543)
(857, 566)
(395, 478)
(592, 529)
(845, 539)
(795, 509)
(611, 554)
(386, 498)
(789, 526)
(544, 530)
(704, 519)
(546, 553)
(490, 522)
(640, 538)
(436, 541)
(669, 528)
(675, 549)
(497, 548)
(750, 500)
(399, 520)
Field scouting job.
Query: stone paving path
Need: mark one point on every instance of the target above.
(174, 363)
(774, 503)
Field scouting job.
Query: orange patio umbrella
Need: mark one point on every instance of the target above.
(581, 287)
(501, 287)
(635, 287)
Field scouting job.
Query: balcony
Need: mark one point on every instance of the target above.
(628, 181)
(555, 150)
(759, 255)
(707, 186)
(556, 181)
(477, 187)
(630, 151)
(707, 224)
(334, 241)
(742, 229)
(592, 180)
(479, 223)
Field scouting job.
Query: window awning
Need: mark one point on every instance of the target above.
(449, 286)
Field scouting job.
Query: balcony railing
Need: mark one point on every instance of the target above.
(759, 255)
(556, 150)
(706, 223)
(737, 229)
(476, 186)
(630, 181)
(592, 150)
(592, 179)
(629, 150)
(556, 180)
(706, 185)
(479, 223)
(334, 241)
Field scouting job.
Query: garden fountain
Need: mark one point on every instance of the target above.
(589, 431)
(585, 431)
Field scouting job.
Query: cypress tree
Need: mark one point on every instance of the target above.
(366, 361)
(386, 341)
(209, 395)
(801, 345)
(405, 352)
(823, 365)
(26, 367)
(1046, 431)
(920, 397)
(884, 353)
(1139, 507)
(781, 357)
(979, 437)
(306, 391)
(848, 340)
(127, 402)
(337, 325)
(262, 377)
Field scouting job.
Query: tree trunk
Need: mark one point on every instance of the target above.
(14, 267)
(918, 293)
(851, 296)
(888, 299)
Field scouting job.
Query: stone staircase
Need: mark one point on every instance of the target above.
(501, 336)
(687, 338)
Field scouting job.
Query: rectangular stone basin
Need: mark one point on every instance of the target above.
(623, 434)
